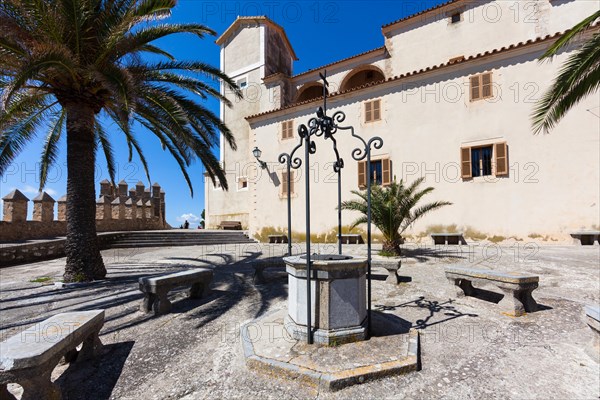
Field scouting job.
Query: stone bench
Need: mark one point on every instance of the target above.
(448, 238)
(592, 315)
(156, 289)
(29, 357)
(392, 266)
(349, 238)
(587, 238)
(231, 225)
(260, 265)
(278, 239)
(515, 286)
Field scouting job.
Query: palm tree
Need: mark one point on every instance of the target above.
(393, 210)
(577, 78)
(74, 65)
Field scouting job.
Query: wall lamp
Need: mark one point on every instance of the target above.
(257, 153)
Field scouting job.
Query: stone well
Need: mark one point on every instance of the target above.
(338, 298)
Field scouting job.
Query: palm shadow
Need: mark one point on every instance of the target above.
(95, 379)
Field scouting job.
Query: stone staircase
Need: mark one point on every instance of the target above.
(179, 237)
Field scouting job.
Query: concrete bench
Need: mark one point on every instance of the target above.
(517, 287)
(29, 357)
(448, 238)
(348, 238)
(156, 289)
(392, 266)
(587, 238)
(592, 315)
(278, 239)
(231, 225)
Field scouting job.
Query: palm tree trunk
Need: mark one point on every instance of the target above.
(84, 262)
(392, 246)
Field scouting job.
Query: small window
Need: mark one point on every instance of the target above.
(373, 111)
(242, 183)
(455, 18)
(242, 83)
(484, 160)
(287, 129)
(380, 173)
(481, 86)
(284, 184)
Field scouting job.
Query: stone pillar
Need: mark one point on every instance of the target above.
(15, 207)
(163, 207)
(133, 195)
(130, 209)
(43, 208)
(118, 209)
(123, 191)
(62, 208)
(146, 195)
(140, 210)
(103, 208)
(139, 190)
(156, 199)
(148, 209)
(106, 188)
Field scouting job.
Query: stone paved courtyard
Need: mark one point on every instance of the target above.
(468, 348)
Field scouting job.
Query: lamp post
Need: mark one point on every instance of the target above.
(257, 153)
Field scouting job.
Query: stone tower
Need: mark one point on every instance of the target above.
(257, 55)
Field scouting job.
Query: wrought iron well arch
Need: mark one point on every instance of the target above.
(326, 126)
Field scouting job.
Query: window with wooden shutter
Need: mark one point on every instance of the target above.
(465, 162)
(475, 94)
(287, 129)
(292, 183)
(362, 174)
(284, 183)
(501, 159)
(372, 110)
(481, 86)
(386, 171)
(368, 111)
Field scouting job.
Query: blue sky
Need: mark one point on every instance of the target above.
(320, 32)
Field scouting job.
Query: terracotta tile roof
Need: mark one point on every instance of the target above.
(257, 19)
(428, 10)
(382, 48)
(423, 70)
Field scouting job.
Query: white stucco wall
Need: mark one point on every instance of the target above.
(554, 182)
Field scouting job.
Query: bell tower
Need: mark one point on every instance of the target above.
(257, 55)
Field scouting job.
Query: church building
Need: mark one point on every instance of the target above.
(450, 91)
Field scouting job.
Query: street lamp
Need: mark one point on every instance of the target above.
(257, 153)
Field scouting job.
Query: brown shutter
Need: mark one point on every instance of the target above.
(376, 110)
(362, 174)
(386, 172)
(475, 88)
(284, 183)
(292, 182)
(486, 85)
(501, 158)
(465, 162)
(368, 111)
(283, 129)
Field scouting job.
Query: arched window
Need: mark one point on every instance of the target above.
(362, 76)
(309, 91)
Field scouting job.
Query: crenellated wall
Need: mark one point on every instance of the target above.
(117, 209)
